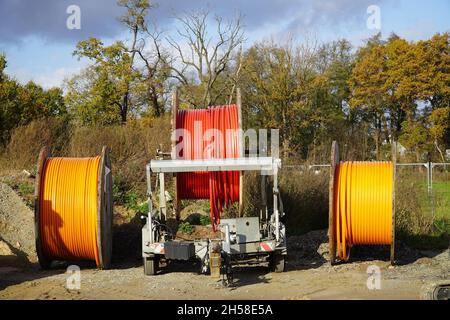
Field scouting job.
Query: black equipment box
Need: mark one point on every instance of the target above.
(179, 250)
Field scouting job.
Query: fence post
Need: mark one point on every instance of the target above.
(430, 176)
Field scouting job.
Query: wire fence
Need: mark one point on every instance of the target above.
(422, 193)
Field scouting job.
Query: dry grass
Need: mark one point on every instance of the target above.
(26, 141)
(304, 194)
(305, 199)
(132, 146)
(412, 213)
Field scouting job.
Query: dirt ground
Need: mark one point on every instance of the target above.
(307, 277)
(308, 274)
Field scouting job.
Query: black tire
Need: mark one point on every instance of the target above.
(277, 262)
(151, 266)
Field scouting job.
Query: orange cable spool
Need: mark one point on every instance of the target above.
(361, 205)
(73, 209)
(219, 128)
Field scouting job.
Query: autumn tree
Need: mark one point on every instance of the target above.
(433, 55)
(439, 128)
(21, 104)
(367, 85)
(272, 91)
(328, 95)
(126, 78)
(418, 78)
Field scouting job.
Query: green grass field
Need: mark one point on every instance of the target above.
(423, 218)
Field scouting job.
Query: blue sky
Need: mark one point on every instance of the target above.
(39, 47)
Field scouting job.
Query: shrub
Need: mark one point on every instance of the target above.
(26, 189)
(205, 220)
(304, 194)
(185, 227)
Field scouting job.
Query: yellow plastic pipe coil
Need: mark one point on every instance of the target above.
(362, 205)
(68, 209)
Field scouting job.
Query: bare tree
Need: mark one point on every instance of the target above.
(134, 20)
(203, 58)
(156, 69)
(146, 44)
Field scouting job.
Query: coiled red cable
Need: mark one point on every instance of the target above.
(209, 134)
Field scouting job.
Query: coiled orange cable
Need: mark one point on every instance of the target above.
(221, 188)
(68, 209)
(362, 205)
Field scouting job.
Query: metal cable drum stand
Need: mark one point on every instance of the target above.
(258, 239)
(361, 205)
(73, 209)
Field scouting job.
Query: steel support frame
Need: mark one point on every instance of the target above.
(267, 166)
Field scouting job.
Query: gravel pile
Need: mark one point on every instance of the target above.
(312, 249)
(308, 249)
(17, 224)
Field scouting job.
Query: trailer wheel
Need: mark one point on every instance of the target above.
(277, 262)
(151, 266)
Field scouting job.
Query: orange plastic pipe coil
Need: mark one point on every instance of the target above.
(68, 209)
(362, 205)
(202, 142)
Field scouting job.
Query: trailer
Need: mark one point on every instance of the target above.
(258, 239)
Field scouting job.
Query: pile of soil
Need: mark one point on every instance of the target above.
(17, 224)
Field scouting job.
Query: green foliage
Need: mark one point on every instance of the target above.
(198, 219)
(26, 188)
(130, 200)
(185, 227)
(142, 208)
(21, 104)
(205, 220)
(133, 201)
(96, 95)
(115, 87)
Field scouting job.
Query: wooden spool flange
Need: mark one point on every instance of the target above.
(394, 164)
(43, 155)
(331, 236)
(105, 210)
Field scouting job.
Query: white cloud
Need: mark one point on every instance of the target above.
(49, 79)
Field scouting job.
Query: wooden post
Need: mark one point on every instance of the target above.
(241, 150)
(175, 106)
(331, 224)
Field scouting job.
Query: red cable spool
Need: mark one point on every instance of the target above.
(210, 134)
